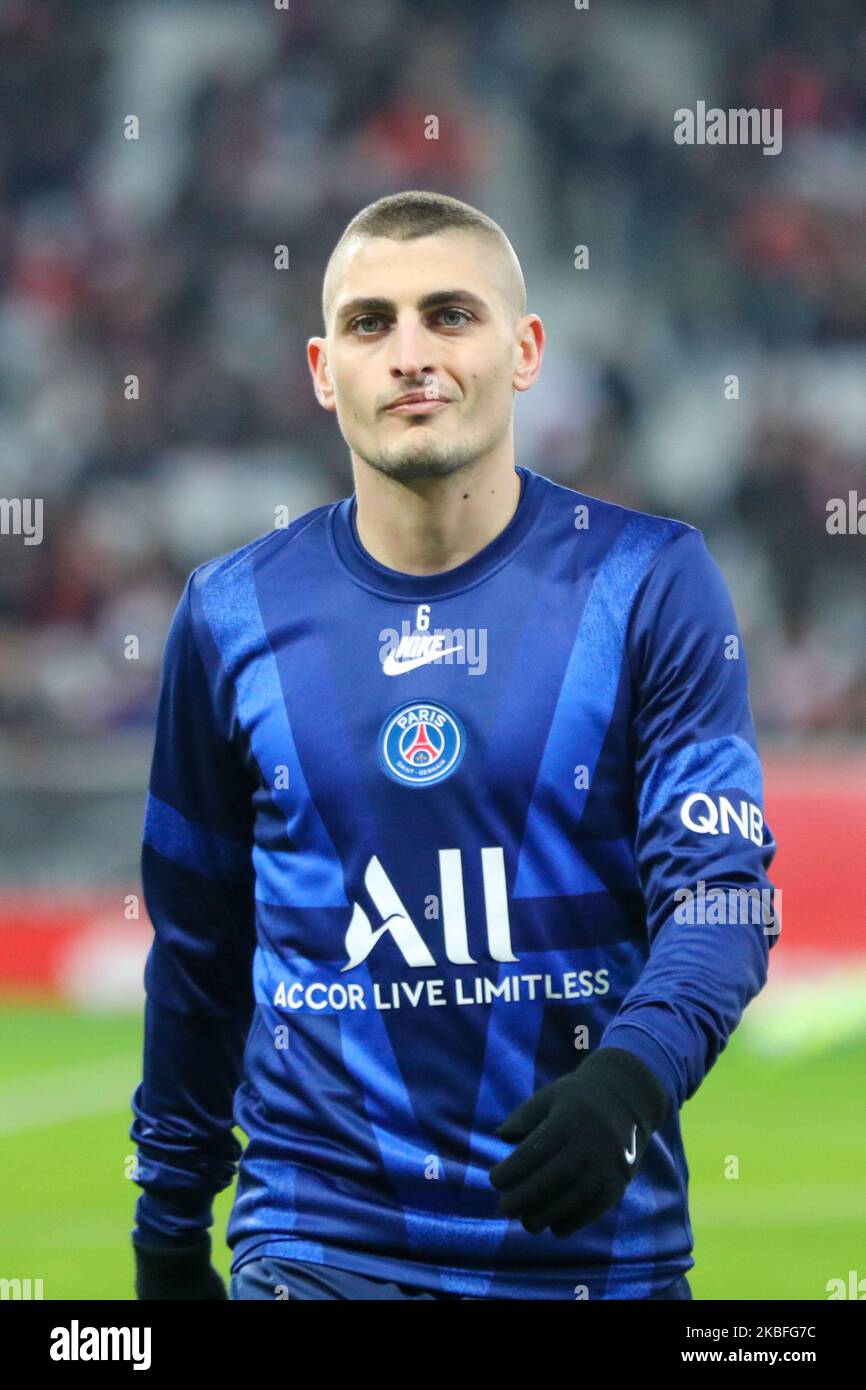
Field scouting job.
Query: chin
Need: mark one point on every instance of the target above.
(423, 466)
(421, 463)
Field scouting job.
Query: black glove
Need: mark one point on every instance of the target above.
(176, 1271)
(584, 1136)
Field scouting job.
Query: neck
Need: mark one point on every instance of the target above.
(433, 524)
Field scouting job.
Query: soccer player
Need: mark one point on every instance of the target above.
(445, 775)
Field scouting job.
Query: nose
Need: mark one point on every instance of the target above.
(411, 350)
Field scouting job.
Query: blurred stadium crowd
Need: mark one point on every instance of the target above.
(259, 127)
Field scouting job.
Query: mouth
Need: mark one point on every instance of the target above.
(419, 405)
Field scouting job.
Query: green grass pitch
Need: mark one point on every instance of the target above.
(794, 1218)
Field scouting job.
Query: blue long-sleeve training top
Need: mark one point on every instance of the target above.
(411, 843)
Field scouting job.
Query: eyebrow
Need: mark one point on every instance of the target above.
(435, 300)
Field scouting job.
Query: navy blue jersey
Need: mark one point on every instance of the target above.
(412, 846)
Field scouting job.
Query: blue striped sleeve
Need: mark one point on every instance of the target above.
(198, 883)
(701, 843)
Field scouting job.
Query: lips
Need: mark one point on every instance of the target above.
(417, 398)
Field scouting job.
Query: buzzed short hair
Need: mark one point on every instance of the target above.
(406, 216)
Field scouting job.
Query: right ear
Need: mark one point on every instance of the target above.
(323, 386)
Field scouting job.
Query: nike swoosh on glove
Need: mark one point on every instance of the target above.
(578, 1134)
(176, 1272)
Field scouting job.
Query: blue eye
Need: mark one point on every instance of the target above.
(455, 310)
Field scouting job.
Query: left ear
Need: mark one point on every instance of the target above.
(529, 351)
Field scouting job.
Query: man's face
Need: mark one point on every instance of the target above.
(461, 353)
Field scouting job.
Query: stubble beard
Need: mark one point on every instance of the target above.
(409, 462)
(433, 461)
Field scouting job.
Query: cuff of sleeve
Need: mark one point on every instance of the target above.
(172, 1221)
(644, 1046)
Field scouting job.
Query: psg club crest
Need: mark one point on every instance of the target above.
(421, 743)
